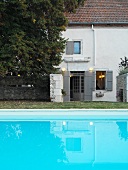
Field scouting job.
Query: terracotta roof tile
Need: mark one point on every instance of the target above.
(101, 11)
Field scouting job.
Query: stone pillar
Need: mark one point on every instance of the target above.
(56, 86)
(122, 86)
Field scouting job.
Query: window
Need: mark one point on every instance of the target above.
(76, 84)
(73, 47)
(77, 47)
(82, 84)
(100, 80)
(73, 144)
(104, 80)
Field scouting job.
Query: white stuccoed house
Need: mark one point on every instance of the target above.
(97, 38)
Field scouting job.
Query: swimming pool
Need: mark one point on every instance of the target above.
(64, 139)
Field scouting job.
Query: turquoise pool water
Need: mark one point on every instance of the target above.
(64, 139)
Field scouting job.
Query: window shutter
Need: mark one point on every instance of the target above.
(88, 86)
(66, 85)
(70, 48)
(93, 81)
(109, 79)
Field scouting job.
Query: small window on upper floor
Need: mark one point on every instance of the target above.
(77, 47)
(73, 47)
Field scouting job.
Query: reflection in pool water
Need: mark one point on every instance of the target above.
(64, 144)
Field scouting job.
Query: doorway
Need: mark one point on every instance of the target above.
(77, 86)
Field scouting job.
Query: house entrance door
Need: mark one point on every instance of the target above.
(76, 86)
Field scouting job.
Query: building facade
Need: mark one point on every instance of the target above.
(97, 37)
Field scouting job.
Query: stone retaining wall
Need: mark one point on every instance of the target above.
(17, 88)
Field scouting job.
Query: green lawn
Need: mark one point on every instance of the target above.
(66, 105)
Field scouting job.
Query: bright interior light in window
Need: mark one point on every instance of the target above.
(101, 76)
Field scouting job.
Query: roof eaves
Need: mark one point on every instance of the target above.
(96, 23)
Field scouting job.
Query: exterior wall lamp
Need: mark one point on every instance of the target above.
(63, 71)
(91, 69)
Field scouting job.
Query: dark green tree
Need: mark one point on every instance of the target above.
(31, 41)
(71, 5)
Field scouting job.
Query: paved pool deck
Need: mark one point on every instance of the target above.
(62, 114)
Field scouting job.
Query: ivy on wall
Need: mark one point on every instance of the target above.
(123, 66)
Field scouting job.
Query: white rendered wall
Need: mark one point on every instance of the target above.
(105, 47)
(86, 36)
(126, 88)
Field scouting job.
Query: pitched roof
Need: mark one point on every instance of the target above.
(101, 11)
